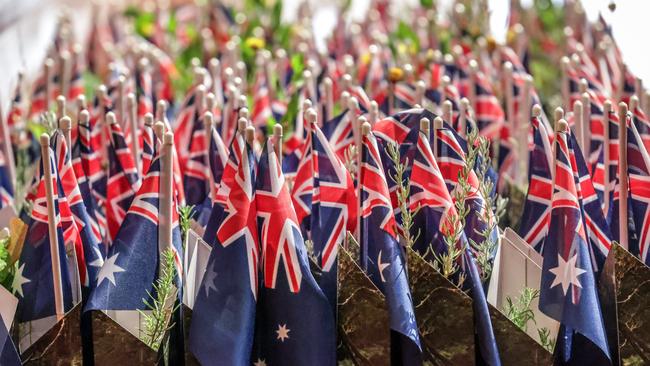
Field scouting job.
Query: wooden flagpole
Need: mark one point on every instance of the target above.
(373, 114)
(438, 124)
(329, 99)
(561, 127)
(65, 69)
(121, 100)
(509, 96)
(634, 103)
(48, 68)
(363, 128)
(462, 116)
(60, 107)
(420, 88)
(159, 130)
(586, 121)
(424, 127)
(622, 175)
(214, 68)
(607, 107)
(249, 135)
(132, 106)
(277, 140)
(208, 121)
(166, 195)
(565, 64)
(51, 226)
(65, 124)
(473, 70)
(81, 103)
(447, 112)
(345, 99)
(579, 126)
(558, 117)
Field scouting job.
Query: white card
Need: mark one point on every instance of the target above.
(8, 304)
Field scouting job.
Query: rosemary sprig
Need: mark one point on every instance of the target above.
(161, 305)
(520, 313)
(403, 195)
(185, 221)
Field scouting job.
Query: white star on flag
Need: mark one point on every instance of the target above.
(566, 273)
(381, 266)
(283, 332)
(99, 262)
(259, 362)
(19, 281)
(109, 269)
(210, 276)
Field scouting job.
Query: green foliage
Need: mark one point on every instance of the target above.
(545, 339)
(519, 311)
(478, 156)
(6, 269)
(404, 39)
(403, 195)
(185, 220)
(162, 305)
(90, 81)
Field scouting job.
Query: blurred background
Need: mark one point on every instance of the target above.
(27, 26)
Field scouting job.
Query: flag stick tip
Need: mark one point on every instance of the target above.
(250, 134)
(168, 138)
(84, 117)
(65, 123)
(310, 115)
(148, 119)
(45, 139)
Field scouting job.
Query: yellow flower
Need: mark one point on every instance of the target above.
(491, 43)
(395, 74)
(365, 58)
(255, 43)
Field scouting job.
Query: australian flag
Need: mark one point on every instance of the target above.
(90, 176)
(88, 230)
(639, 177)
(33, 282)
(223, 321)
(597, 230)
(568, 287)
(382, 257)
(435, 217)
(148, 143)
(533, 226)
(339, 133)
(131, 267)
(325, 201)
(451, 160)
(123, 181)
(287, 335)
(196, 175)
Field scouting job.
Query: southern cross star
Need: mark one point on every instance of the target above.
(109, 269)
(19, 281)
(210, 276)
(381, 267)
(283, 332)
(566, 273)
